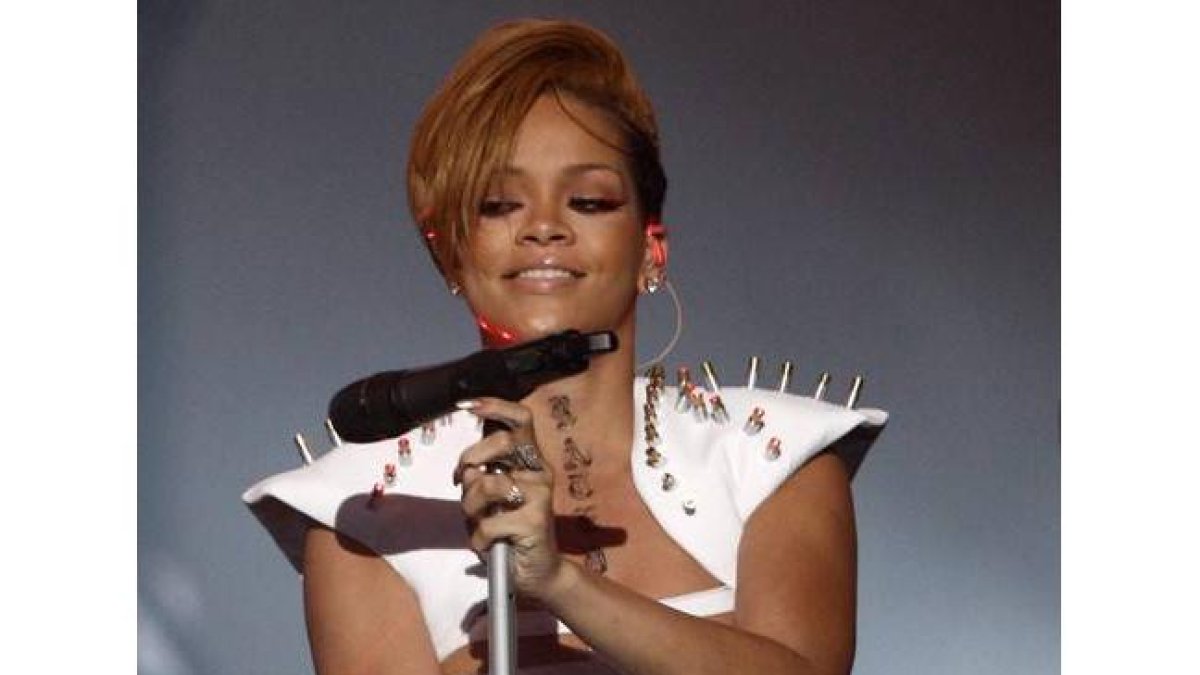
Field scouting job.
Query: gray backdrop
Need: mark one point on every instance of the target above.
(864, 186)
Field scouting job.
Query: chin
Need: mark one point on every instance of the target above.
(532, 328)
(531, 323)
(537, 327)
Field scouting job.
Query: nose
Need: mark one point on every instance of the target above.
(546, 227)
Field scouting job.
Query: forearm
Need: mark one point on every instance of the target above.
(642, 636)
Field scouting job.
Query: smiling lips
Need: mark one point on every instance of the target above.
(546, 278)
(546, 270)
(546, 273)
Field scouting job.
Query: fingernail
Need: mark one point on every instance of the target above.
(469, 404)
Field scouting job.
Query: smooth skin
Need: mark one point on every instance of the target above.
(566, 209)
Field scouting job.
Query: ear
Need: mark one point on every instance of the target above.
(654, 258)
(448, 272)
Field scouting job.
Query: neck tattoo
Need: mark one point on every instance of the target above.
(577, 464)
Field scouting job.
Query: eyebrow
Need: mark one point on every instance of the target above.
(571, 170)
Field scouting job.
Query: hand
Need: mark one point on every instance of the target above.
(517, 504)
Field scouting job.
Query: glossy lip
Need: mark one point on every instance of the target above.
(544, 264)
(543, 285)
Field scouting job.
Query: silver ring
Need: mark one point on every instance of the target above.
(526, 456)
(515, 496)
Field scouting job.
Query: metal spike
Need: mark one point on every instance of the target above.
(752, 373)
(785, 377)
(711, 375)
(855, 392)
(302, 446)
(333, 434)
(822, 385)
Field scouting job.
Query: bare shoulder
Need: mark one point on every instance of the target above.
(362, 616)
(797, 566)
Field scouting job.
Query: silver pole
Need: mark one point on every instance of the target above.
(502, 645)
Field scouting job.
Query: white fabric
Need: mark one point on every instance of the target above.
(417, 526)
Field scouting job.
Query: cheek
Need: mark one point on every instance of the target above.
(624, 257)
(483, 253)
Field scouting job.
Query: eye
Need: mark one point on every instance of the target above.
(595, 204)
(497, 207)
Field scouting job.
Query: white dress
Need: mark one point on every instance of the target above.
(721, 473)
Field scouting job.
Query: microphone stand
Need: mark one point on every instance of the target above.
(502, 642)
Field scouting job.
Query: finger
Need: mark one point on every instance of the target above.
(518, 418)
(518, 527)
(487, 494)
(488, 449)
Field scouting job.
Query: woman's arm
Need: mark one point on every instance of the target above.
(795, 603)
(362, 617)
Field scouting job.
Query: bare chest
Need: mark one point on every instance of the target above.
(615, 525)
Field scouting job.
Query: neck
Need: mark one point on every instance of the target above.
(601, 402)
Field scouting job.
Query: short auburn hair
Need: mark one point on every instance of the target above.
(465, 135)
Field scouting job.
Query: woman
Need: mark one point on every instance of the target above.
(723, 542)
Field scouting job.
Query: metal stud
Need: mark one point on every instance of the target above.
(754, 423)
(699, 408)
(656, 372)
(428, 433)
(683, 401)
(404, 452)
(773, 448)
(668, 482)
(689, 507)
(682, 376)
(651, 432)
(376, 495)
(389, 473)
(719, 414)
(654, 458)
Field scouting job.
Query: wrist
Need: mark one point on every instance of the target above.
(561, 585)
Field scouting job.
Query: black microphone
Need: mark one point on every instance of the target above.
(390, 403)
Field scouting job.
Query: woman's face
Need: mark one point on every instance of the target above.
(559, 243)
